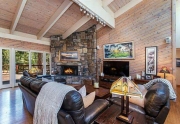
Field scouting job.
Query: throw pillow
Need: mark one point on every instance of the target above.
(137, 100)
(82, 91)
(89, 99)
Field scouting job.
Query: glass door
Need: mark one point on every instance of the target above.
(5, 68)
(21, 63)
(13, 62)
(36, 67)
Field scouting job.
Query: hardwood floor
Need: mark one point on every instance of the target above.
(13, 112)
(11, 107)
(174, 113)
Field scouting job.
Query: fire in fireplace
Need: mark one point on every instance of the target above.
(69, 70)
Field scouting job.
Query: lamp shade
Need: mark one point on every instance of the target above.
(124, 86)
(35, 70)
(164, 70)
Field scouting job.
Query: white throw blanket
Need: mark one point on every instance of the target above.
(172, 94)
(49, 101)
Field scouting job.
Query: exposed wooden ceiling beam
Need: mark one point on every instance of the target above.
(98, 26)
(60, 11)
(76, 26)
(5, 33)
(106, 2)
(98, 10)
(20, 7)
(125, 8)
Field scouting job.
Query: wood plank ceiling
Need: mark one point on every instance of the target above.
(117, 4)
(36, 14)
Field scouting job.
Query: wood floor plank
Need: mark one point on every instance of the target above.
(12, 110)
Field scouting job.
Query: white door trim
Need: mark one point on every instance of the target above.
(10, 74)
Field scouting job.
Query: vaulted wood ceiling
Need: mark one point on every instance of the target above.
(43, 18)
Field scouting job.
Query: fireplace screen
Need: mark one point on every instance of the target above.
(69, 70)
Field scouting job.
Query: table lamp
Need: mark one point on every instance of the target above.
(164, 70)
(34, 71)
(125, 87)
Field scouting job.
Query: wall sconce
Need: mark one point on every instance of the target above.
(168, 39)
(98, 47)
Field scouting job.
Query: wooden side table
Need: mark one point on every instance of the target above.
(140, 81)
(109, 116)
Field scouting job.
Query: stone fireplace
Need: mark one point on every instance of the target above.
(69, 70)
(85, 43)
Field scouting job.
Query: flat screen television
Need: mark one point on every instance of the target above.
(116, 68)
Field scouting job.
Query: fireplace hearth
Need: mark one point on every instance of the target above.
(69, 70)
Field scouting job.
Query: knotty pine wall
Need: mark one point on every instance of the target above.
(21, 45)
(146, 24)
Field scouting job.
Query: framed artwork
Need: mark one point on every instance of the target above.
(177, 62)
(151, 60)
(124, 50)
(69, 56)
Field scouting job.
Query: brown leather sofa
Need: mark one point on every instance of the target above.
(72, 110)
(156, 104)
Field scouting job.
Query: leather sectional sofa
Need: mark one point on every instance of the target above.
(72, 110)
(156, 103)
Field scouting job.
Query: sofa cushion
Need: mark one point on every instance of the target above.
(36, 85)
(25, 81)
(156, 98)
(95, 109)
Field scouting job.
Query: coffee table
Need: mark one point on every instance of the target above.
(101, 93)
(109, 116)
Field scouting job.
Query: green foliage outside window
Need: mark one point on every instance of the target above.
(22, 58)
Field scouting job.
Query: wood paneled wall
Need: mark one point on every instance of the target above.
(146, 24)
(21, 45)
